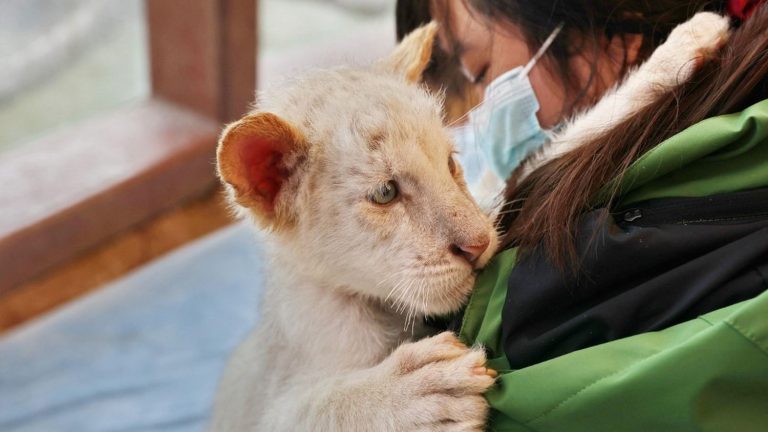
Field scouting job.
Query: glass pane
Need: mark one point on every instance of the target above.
(298, 34)
(65, 60)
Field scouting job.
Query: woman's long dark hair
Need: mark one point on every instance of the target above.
(543, 209)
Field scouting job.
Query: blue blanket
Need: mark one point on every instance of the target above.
(143, 353)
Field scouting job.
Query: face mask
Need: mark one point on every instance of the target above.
(505, 125)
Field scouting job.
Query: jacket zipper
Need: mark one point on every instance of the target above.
(732, 207)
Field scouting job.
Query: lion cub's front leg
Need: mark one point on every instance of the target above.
(435, 384)
(688, 46)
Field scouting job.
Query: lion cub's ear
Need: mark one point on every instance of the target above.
(412, 56)
(256, 157)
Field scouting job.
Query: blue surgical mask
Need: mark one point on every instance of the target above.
(505, 125)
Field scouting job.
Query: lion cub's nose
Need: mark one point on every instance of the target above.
(470, 252)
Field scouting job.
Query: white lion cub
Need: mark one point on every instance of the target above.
(372, 228)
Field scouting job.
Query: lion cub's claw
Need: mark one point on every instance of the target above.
(482, 370)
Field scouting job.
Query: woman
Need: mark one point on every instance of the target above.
(630, 292)
(599, 41)
(585, 48)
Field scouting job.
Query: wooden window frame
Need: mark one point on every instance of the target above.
(74, 189)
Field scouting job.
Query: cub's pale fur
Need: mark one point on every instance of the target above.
(350, 280)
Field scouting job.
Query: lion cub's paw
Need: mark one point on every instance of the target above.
(691, 44)
(440, 384)
(702, 35)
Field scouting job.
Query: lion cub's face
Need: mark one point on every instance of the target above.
(354, 171)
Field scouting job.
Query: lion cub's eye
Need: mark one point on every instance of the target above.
(385, 193)
(451, 165)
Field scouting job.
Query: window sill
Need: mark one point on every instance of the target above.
(74, 189)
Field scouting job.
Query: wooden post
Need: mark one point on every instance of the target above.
(203, 54)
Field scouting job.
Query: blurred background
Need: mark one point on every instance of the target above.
(81, 57)
(124, 282)
(79, 73)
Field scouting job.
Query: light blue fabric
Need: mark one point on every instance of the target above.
(143, 353)
(505, 124)
(484, 185)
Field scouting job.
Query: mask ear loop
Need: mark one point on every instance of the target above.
(544, 47)
(488, 102)
(526, 69)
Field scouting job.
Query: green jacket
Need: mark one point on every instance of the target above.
(709, 374)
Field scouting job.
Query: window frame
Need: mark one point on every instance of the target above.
(161, 151)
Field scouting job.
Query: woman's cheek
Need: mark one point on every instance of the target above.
(551, 96)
